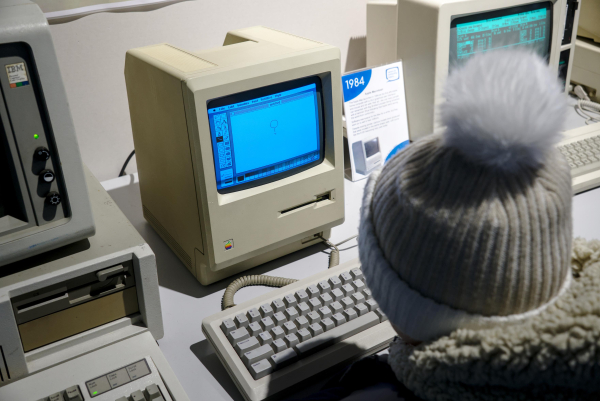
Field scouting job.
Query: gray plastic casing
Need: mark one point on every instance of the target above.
(23, 22)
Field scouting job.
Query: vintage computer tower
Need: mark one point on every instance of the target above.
(44, 201)
(239, 148)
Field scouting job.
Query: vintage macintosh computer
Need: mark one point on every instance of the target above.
(432, 37)
(367, 155)
(79, 316)
(44, 202)
(239, 148)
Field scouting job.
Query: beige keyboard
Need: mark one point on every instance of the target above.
(581, 147)
(273, 343)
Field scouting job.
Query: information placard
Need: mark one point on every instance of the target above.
(376, 121)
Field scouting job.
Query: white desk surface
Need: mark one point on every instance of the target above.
(185, 302)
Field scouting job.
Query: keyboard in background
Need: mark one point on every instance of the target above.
(276, 341)
(581, 147)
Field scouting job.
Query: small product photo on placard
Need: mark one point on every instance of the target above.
(376, 121)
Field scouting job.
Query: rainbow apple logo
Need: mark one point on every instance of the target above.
(228, 244)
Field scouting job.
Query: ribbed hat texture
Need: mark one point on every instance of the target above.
(453, 239)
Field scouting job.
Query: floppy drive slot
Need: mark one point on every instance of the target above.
(73, 292)
(68, 322)
(318, 200)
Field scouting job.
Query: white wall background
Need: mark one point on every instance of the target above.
(91, 54)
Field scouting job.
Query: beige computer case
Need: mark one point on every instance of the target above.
(168, 89)
(418, 32)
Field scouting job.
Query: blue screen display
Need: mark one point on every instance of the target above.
(265, 136)
(524, 26)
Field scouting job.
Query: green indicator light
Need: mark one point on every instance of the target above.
(94, 393)
(36, 136)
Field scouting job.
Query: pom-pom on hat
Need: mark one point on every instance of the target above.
(472, 227)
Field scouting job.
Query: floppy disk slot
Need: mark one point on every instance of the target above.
(318, 199)
(73, 292)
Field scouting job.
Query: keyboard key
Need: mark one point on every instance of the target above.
(324, 286)
(350, 314)
(371, 304)
(241, 320)
(356, 273)
(238, 335)
(265, 337)
(313, 317)
(325, 299)
(291, 313)
(290, 300)
(301, 296)
(278, 345)
(347, 302)
(267, 323)
(137, 396)
(262, 352)
(338, 319)
(266, 310)
(337, 334)
(277, 332)
(325, 312)
(314, 303)
(303, 335)
(337, 294)
(73, 394)
(336, 307)
(303, 309)
(279, 319)
(346, 278)
(361, 309)
(254, 328)
(347, 289)
(358, 298)
(315, 329)
(278, 305)
(358, 285)
(290, 327)
(228, 326)
(335, 282)
(367, 293)
(246, 345)
(260, 369)
(381, 315)
(253, 315)
(291, 340)
(283, 358)
(327, 324)
(152, 392)
(301, 322)
(312, 291)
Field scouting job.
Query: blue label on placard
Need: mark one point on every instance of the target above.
(355, 84)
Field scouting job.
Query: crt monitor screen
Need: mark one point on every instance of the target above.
(266, 134)
(372, 147)
(523, 26)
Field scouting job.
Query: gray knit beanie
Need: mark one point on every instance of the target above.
(472, 227)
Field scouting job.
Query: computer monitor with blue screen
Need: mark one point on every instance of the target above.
(521, 26)
(432, 37)
(266, 134)
(239, 148)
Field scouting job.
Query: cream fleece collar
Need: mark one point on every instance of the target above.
(554, 355)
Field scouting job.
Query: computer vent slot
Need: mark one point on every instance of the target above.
(185, 258)
(4, 373)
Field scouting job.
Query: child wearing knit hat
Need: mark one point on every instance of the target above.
(466, 244)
